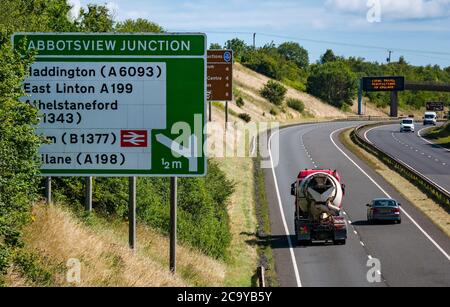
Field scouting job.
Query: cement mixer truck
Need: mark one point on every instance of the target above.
(318, 207)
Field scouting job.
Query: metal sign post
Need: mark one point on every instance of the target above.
(48, 190)
(132, 212)
(173, 223)
(88, 205)
(226, 114)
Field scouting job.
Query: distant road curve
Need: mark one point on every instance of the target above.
(431, 160)
(415, 253)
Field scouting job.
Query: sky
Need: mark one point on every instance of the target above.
(419, 30)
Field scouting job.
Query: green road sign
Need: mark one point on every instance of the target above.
(118, 104)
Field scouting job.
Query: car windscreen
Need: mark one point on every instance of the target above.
(385, 203)
(429, 116)
(407, 121)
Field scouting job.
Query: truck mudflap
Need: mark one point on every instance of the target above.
(340, 230)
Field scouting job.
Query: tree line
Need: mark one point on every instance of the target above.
(335, 79)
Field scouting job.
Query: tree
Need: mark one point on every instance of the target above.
(215, 46)
(274, 92)
(18, 151)
(97, 18)
(333, 82)
(138, 25)
(328, 57)
(294, 52)
(35, 15)
(238, 46)
(402, 61)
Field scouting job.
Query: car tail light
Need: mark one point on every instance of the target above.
(396, 210)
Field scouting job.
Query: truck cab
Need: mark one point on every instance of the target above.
(430, 118)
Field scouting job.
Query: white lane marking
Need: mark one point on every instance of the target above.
(370, 257)
(286, 229)
(365, 134)
(429, 142)
(362, 243)
(385, 193)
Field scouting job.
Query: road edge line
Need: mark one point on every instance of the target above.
(286, 229)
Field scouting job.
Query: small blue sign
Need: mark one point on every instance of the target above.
(227, 56)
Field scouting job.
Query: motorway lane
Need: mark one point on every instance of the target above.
(430, 160)
(408, 257)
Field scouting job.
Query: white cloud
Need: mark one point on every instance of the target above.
(75, 11)
(396, 9)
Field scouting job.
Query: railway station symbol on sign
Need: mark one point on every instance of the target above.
(113, 104)
(220, 75)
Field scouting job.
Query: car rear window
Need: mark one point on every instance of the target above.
(407, 121)
(429, 116)
(385, 203)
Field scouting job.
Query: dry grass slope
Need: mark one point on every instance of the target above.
(56, 236)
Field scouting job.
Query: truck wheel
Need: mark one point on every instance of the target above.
(304, 242)
(339, 242)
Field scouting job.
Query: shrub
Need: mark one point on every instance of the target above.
(274, 92)
(18, 150)
(240, 102)
(333, 82)
(296, 104)
(245, 117)
(273, 111)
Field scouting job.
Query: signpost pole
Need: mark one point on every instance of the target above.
(88, 206)
(360, 94)
(226, 114)
(48, 190)
(394, 104)
(132, 213)
(210, 111)
(173, 222)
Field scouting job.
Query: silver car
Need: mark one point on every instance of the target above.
(384, 209)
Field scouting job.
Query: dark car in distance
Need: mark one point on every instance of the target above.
(384, 209)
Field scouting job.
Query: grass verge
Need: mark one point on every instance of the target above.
(439, 135)
(241, 267)
(265, 253)
(57, 234)
(409, 191)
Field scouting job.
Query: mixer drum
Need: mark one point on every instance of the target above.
(320, 195)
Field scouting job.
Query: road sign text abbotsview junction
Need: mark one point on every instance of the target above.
(118, 104)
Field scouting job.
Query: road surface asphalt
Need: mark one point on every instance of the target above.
(427, 158)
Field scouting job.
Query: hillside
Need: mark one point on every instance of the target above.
(248, 84)
(57, 235)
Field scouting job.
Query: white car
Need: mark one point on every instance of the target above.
(407, 125)
(430, 118)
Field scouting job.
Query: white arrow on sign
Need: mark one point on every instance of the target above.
(191, 152)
